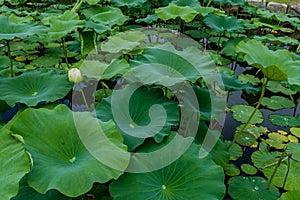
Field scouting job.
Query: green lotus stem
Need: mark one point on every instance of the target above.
(77, 5)
(276, 168)
(274, 163)
(263, 89)
(288, 170)
(83, 96)
(208, 4)
(65, 51)
(104, 86)
(219, 41)
(296, 105)
(10, 59)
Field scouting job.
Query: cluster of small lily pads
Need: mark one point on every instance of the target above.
(42, 156)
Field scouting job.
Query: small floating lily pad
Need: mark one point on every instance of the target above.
(232, 170)
(248, 169)
(245, 188)
(277, 140)
(284, 120)
(277, 102)
(235, 152)
(295, 131)
(242, 113)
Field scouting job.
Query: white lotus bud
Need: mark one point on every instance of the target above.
(75, 75)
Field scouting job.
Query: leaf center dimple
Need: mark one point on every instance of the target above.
(72, 159)
(164, 187)
(34, 93)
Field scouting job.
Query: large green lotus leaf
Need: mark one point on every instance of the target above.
(260, 56)
(33, 87)
(98, 28)
(277, 102)
(294, 148)
(220, 154)
(248, 78)
(149, 19)
(63, 24)
(172, 11)
(276, 65)
(125, 41)
(222, 23)
(242, 113)
(229, 48)
(244, 188)
(190, 3)
(61, 161)
(13, 30)
(98, 70)
(189, 177)
(4, 62)
(290, 195)
(276, 86)
(264, 158)
(128, 3)
(284, 120)
(277, 40)
(26, 192)
(108, 16)
(20, 20)
(164, 66)
(14, 163)
(139, 109)
(232, 83)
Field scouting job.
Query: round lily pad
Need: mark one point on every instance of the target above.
(235, 151)
(248, 169)
(242, 113)
(290, 195)
(14, 164)
(284, 120)
(187, 178)
(33, 87)
(245, 188)
(61, 161)
(294, 149)
(276, 140)
(295, 131)
(246, 139)
(277, 102)
(232, 170)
